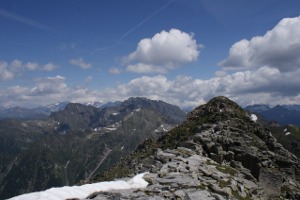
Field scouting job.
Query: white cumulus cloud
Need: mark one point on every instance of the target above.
(278, 48)
(80, 63)
(164, 51)
(115, 70)
(32, 66)
(17, 68)
(49, 67)
(49, 85)
(5, 74)
(146, 68)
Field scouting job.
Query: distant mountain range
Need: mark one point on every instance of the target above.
(76, 141)
(282, 114)
(42, 112)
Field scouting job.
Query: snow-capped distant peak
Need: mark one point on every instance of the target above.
(94, 104)
(56, 106)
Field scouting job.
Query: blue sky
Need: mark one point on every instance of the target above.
(180, 51)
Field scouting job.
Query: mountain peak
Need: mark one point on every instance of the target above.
(280, 108)
(217, 109)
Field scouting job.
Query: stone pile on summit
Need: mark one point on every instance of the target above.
(217, 153)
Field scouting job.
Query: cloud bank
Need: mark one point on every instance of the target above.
(263, 85)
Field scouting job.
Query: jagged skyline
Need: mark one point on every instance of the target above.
(182, 52)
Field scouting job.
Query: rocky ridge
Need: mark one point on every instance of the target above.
(217, 153)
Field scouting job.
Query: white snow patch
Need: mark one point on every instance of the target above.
(111, 128)
(67, 164)
(285, 131)
(115, 113)
(138, 109)
(84, 190)
(253, 117)
(163, 127)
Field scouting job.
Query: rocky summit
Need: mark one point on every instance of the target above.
(217, 153)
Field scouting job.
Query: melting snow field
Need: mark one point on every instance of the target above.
(84, 190)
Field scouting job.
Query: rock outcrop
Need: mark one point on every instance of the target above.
(217, 153)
